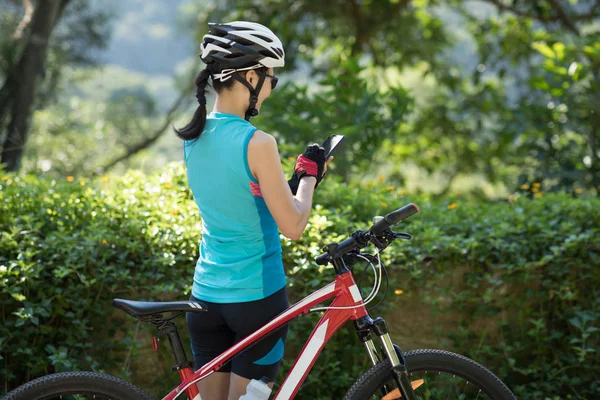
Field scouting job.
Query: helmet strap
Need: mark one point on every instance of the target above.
(252, 111)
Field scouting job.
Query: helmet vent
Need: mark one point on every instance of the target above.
(266, 39)
(266, 53)
(243, 41)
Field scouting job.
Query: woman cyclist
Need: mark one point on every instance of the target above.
(235, 174)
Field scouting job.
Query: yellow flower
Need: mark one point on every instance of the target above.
(104, 179)
(538, 195)
(398, 291)
(390, 188)
(535, 189)
(579, 190)
(384, 204)
(5, 178)
(513, 198)
(82, 183)
(381, 179)
(524, 187)
(174, 212)
(401, 192)
(452, 206)
(536, 185)
(104, 241)
(70, 178)
(168, 185)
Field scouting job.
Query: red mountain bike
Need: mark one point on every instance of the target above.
(418, 374)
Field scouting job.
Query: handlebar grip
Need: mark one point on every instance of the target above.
(340, 249)
(323, 259)
(393, 218)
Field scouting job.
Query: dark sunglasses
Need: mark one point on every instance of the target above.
(274, 80)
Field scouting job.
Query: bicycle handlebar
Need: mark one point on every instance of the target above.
(357, 240)
(360, 239)
(323, 259)
(393, 218)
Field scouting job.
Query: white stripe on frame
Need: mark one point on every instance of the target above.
(307, 356)
(355, 293)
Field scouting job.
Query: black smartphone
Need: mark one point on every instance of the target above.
(331, 143)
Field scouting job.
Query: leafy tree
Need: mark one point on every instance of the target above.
(493, 119)
(59, 33)
(551, 48)
(394, 32)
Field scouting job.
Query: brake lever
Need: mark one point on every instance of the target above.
(383, 241)
(402, 235)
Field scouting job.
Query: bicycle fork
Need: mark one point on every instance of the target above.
(365, 326)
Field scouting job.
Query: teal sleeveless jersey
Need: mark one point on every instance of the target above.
(240, 253)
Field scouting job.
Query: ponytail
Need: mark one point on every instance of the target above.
(194, 128)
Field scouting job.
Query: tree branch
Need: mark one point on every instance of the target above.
(503, 7)
(61, 10)
(564, 18)
(596, 7)
(358, 31)
(593, 144)
(25, 21)
(5, 99)
(149, 141)
(399, 6)
(590, 15)
(364, 24)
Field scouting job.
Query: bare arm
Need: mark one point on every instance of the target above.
(291, 215)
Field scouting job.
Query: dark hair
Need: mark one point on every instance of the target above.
(194, 128)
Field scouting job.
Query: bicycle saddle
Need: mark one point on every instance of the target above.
(145, 308)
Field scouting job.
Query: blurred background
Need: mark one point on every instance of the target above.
(439, 96)
(487, 112)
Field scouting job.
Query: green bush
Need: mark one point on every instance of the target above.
(511, 284)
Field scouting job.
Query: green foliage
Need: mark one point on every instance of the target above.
(395, 33)
(500, 91)
(553, 118)
(564, 114)
(510, 284)
(293, 113)
(522, 108)
(68, 249)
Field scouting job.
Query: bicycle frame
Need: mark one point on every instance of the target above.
(345, 293)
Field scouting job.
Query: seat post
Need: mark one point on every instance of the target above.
(170, 330)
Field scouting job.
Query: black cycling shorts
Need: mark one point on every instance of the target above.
(214, 331)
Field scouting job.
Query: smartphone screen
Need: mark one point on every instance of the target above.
(331, 143)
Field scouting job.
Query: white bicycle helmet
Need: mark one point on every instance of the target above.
(241, 46)
(238, 46)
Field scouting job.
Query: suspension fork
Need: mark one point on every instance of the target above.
(365, 328)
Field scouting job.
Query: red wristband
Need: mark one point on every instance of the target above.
(307, 165)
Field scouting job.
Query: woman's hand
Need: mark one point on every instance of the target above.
(311, 163)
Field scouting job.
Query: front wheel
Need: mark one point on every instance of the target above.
(80, 385)
(435, 374)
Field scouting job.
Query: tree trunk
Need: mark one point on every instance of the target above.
(21, 82)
